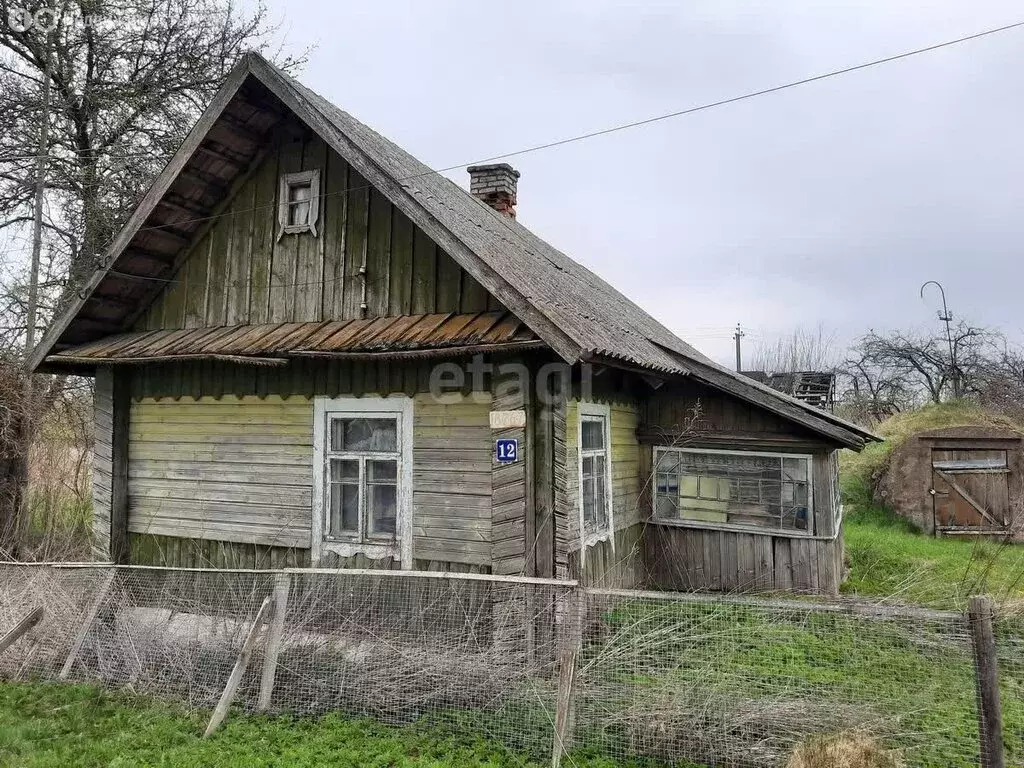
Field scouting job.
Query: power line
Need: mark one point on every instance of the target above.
(613, 129)
(667, 115)
(637, 123)
(741, 97)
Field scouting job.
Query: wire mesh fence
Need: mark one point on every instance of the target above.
(742, 682)
(671, 678)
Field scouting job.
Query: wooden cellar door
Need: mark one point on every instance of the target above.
(970, 491)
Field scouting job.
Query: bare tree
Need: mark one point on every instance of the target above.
(887, 373)
(126, 80)
(804, 350)
(872, 389)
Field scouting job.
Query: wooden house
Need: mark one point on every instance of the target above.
(311, 349)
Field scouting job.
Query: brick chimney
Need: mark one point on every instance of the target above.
(495, 185)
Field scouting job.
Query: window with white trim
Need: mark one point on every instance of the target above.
(363, 476)
(299, 205)
(362, 458)
(734, 488)
(594, 471)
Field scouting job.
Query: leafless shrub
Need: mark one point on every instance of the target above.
(45, 442)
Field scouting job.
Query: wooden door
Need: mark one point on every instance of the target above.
(970, 490)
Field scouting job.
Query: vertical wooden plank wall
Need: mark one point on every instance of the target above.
(111, 403)
(240, 272)
(548, 416)
(509, 508)
(102, 462)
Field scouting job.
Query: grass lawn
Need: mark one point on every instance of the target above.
(889, 558)
(47, 725)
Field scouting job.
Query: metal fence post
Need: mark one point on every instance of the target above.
(990, 716)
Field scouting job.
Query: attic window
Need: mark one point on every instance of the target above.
(299, 206)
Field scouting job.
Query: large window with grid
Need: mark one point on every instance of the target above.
(594, 461)
(363, 452)
(734, 488)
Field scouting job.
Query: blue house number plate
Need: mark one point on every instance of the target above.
(506, 451)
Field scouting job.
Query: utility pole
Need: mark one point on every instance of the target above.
(37, 218)
(739, 357)
(13, 517)
(947, 317)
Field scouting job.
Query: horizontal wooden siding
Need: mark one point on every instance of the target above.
(234, 469)
(240, 469)
(452, 479)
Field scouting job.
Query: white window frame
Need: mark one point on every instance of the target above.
(809, 533)
(586, 411)
(325, 409)
(288, 180)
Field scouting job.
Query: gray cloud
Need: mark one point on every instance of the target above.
(829, 203)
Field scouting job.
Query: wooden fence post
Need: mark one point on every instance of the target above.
(27, 622)
(990, 714)
(571, 634)
(563, 705)
(282, 584)
(221, 710)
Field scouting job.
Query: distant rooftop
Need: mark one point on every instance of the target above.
(815, 388)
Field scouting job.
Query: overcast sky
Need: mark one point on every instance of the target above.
(827, 204)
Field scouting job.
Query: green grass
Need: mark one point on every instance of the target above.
(889, 558)
(47, 725)
(788, 675)
(864, 466)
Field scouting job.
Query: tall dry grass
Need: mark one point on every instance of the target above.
(843, 750)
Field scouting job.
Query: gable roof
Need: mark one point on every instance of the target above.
(579, 315)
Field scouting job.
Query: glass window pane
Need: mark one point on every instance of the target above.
(298, 214)
(589, 507)
(377, 471)
(344, 469)
(382, 496)
(359, 434)
(595, 493)
(383, 505)
(795, 469)
(592, 434)
(299, 192)
(737, 488)
(299, 195)
(588, 467)
(344, 497)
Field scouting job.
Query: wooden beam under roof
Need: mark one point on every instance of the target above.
(234, 162)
